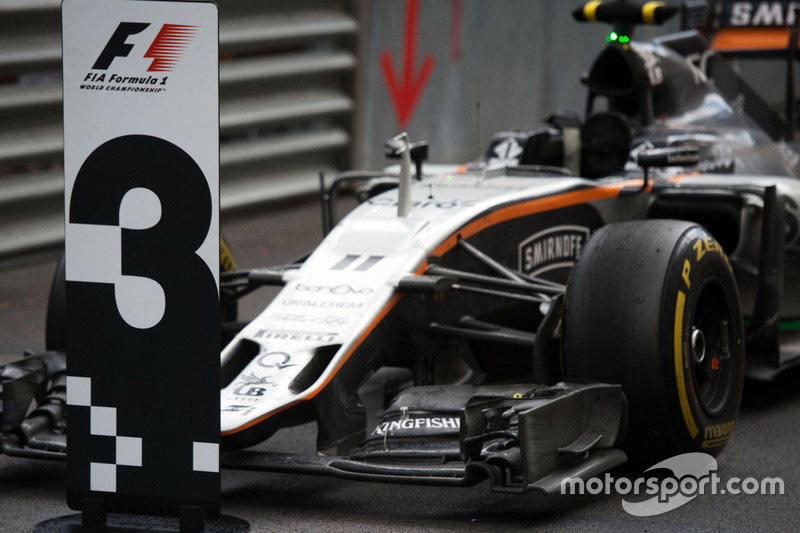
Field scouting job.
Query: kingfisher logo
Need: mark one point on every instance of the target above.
(165, 52)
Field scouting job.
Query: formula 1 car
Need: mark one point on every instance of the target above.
(584, 293)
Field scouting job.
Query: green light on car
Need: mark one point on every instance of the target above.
(614, 37)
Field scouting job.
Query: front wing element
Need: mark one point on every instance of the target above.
(531, 439)
(519, 437)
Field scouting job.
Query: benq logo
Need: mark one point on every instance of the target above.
(165, 51)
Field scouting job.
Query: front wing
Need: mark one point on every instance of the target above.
(520, 437)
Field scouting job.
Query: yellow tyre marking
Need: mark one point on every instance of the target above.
(678, 342)
(589, 10)
(714, 443)
(226, 260)
(649, 12)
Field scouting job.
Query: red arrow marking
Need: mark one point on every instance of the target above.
(405, 96)
(455, 30)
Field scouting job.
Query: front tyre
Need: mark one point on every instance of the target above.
(653, 305)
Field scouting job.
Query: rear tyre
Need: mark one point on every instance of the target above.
(653, 306)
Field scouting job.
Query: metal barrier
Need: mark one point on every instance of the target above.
(287, 77)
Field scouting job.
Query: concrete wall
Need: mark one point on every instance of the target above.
(518, 59)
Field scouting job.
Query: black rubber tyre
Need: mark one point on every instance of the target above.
(55, 322)
(653, 305)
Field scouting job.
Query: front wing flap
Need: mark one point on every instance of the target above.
(520, 437)
(521, 441)
(33, 398)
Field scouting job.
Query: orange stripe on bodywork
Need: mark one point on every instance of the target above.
(744, 39)
(388, 307)
(501, 215)
(543, 204)
(532, 206)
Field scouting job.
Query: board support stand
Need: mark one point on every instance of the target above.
(142, 267)
(93, 513)
(191, 519)
(94, 519)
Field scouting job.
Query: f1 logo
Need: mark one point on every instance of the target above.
(116, 46)
(165, 51)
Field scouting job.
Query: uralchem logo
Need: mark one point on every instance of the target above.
(693, 474)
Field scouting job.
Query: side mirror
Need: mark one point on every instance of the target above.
(672, 156)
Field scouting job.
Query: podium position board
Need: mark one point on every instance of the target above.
(141, 166)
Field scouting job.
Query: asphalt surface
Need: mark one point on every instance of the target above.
(765, 444)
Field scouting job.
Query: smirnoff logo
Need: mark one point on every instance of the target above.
(555, 247)
(758, 14)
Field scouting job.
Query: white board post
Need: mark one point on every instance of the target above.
(141, 167)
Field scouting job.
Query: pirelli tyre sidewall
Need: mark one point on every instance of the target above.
(653, 305)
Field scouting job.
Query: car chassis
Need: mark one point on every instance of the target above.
(451, 253)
